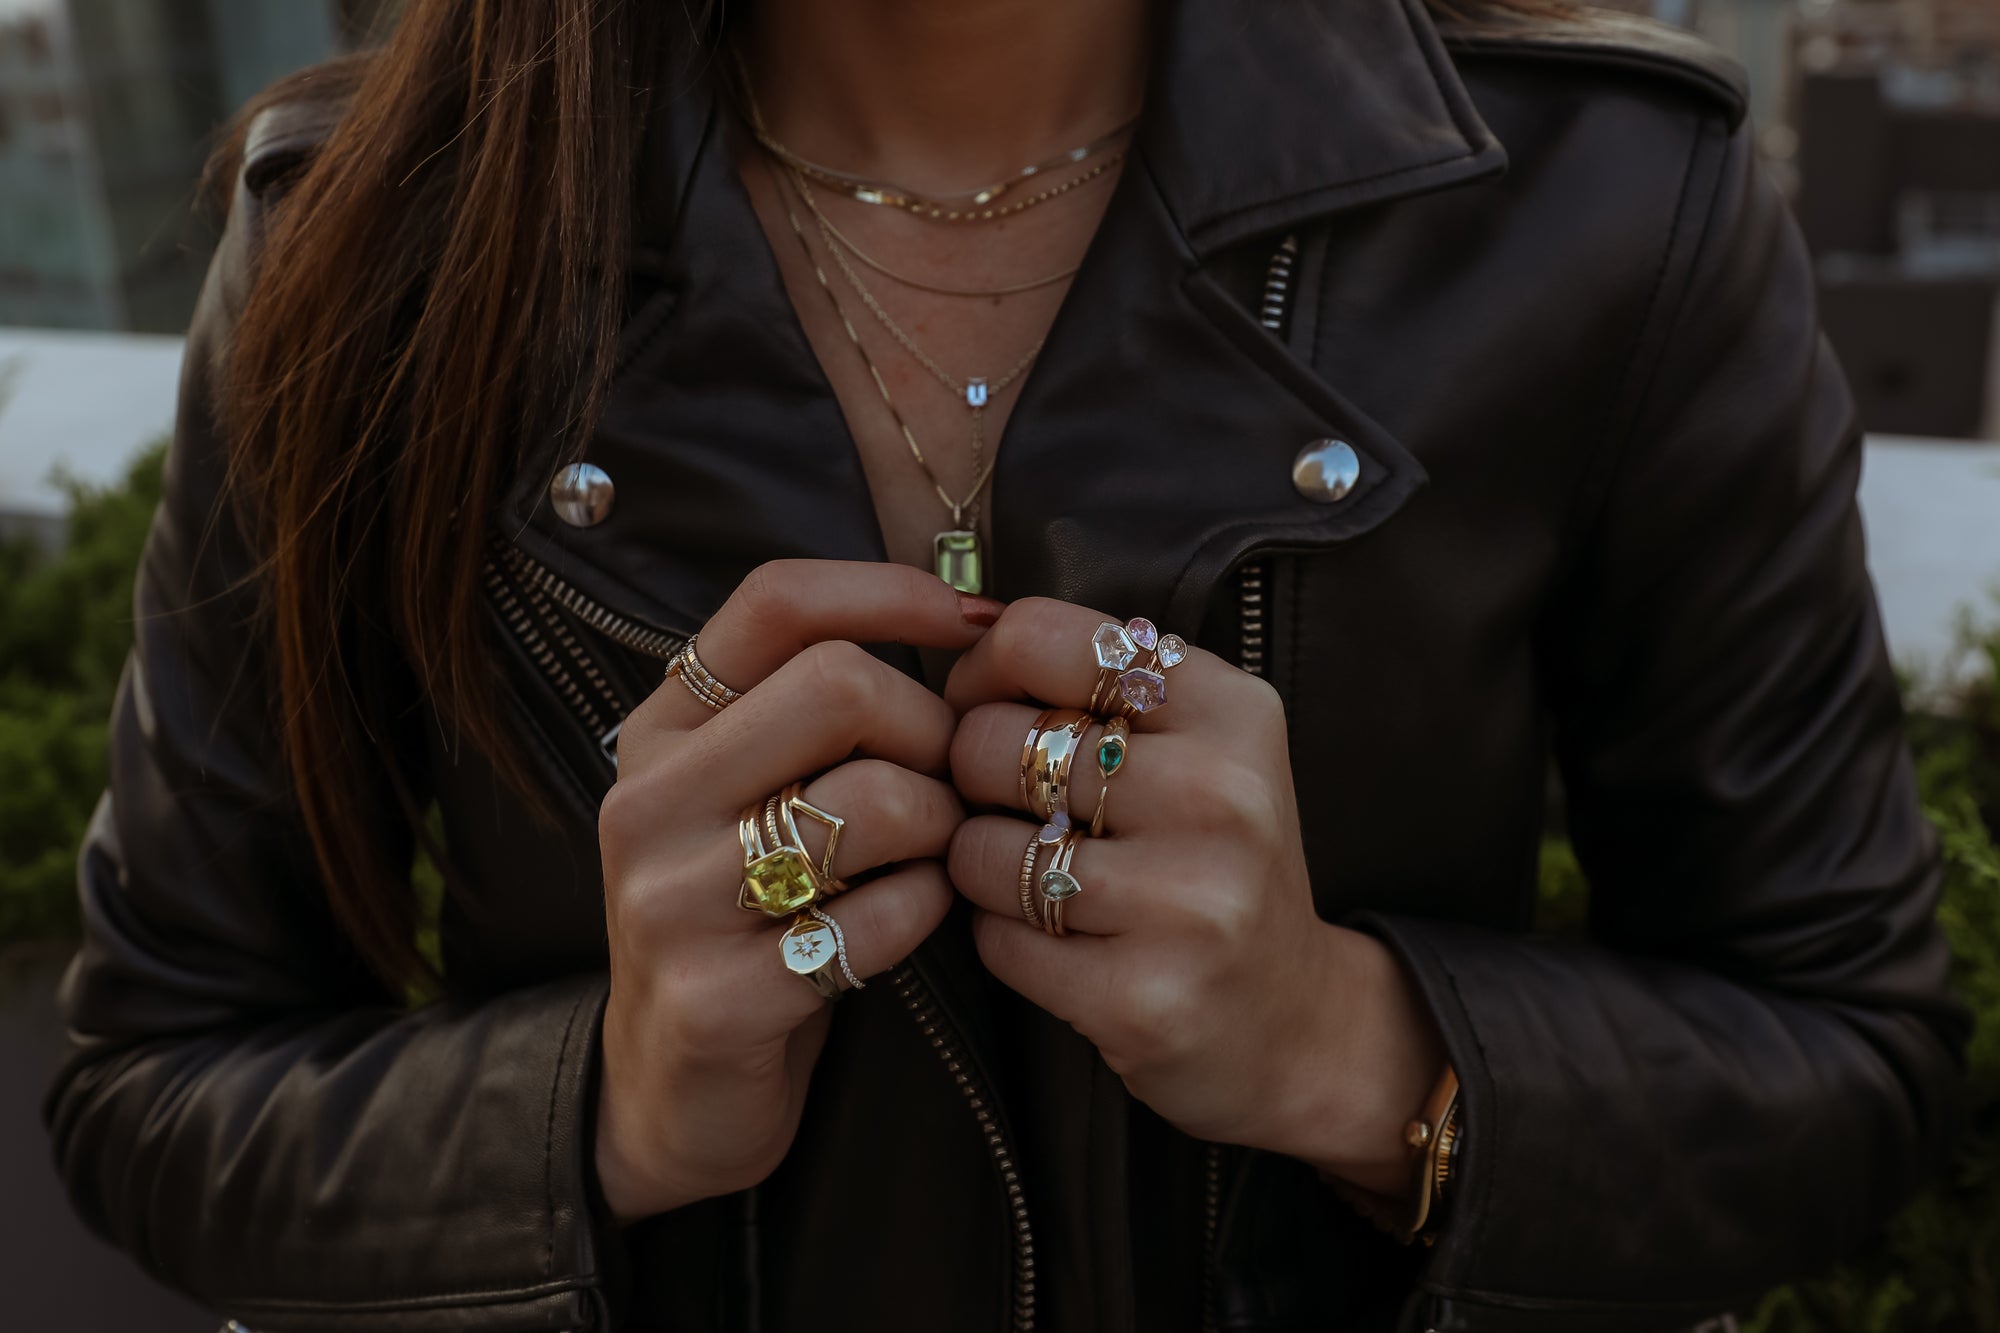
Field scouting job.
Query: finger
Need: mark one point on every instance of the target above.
(1042, 651)
(986, 768)
(989, 852)
(880, 923)
(827, 703)
(888, 815)
(1071, 976)
(786, 605)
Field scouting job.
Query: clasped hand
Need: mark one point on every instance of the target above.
(1195, 960)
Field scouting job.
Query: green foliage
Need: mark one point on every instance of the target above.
(65, 627)
(1937, 1268)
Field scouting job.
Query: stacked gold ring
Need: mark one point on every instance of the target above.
(814, 949)
(1125, 687)
(700, 681)
(1046, 759)
(779, 876)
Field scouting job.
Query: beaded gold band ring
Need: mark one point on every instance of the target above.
(700, 681)
(1028, 859)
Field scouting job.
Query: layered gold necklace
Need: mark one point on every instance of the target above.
(957, 553)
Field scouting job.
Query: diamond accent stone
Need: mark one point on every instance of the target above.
(1115, 649)
(1142, 632)
(975, 393)
(1059, 884)
(1144, 690)
(1173, 650)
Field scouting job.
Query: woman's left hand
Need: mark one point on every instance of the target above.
(1195, 960)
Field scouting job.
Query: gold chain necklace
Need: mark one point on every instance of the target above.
(961, 206)
(834, 235)
(958, 555)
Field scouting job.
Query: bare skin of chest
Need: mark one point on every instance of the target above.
(967, 337)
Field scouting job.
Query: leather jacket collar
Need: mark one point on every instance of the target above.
(761, 466)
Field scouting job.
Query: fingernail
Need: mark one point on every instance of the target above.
(981, 611)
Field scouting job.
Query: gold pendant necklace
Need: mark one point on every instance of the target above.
(958, 556)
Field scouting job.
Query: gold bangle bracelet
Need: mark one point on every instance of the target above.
(1433, 1136)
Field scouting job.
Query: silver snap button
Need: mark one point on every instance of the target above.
(582, 494)
(1326, 471)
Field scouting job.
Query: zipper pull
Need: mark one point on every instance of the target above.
(608, 743)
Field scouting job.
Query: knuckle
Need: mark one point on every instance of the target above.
(841, 676)
(880, 789)
(760, 595)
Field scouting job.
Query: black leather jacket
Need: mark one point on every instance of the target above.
(1605, 512)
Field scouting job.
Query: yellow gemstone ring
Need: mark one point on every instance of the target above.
(779, 876)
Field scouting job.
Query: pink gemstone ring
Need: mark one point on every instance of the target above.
(1126, 686)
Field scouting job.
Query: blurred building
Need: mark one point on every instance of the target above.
(107, 111)
(1882, 117)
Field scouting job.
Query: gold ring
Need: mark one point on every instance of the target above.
(810, 948)
(1028, 858)
(1113, 746)
(1046, 758)
(1057, 884)
(1124, 689)
(700, 681)
(779, 877)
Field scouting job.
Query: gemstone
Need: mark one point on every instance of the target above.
(975, 393)
(1058, 884)
(779, 884)
(1115, 649)
(807, 947)
(959, 562)
(1144, 690)
(1053, 831)
(1142, 632)
(1173, 650)
(1110, 754)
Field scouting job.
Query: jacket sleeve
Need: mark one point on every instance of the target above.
(1754, 1057)
(247, 1112)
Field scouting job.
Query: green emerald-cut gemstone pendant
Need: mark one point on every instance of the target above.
(959, 561)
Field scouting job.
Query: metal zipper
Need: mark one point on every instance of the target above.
(916, 997)
(527, 603)
(621, 630)
(1251, 582)
(568, 665)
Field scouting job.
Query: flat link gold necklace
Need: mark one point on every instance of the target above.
(958, 206)
(958, 555)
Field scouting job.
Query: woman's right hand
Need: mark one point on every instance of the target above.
(708, 1039)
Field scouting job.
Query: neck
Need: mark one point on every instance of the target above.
(944, 94)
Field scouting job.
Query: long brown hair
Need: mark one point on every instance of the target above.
(452, 262)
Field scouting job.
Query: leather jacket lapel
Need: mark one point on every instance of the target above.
(1139, 504)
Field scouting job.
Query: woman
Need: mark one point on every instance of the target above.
(1450, 382)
